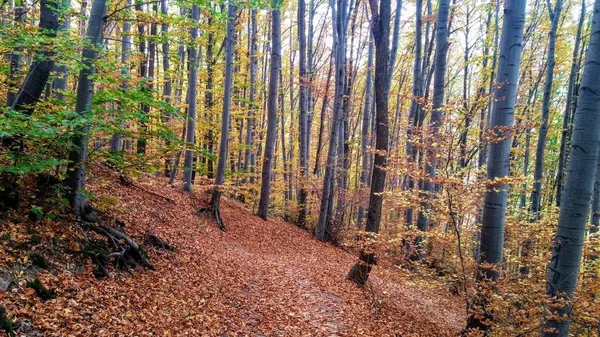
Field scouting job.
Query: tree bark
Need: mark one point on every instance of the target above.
(223, 144)
(303, 118)
(536, 194)
(567, 251)
(569, 107)
(76, 170)
(188, 162)
(502, 119)
(265, 189)
(381, 31)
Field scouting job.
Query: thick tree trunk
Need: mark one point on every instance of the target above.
(39, 72)
(562, 157)
(381, 31)
(567, 252)
(188, 162)
(208, 97)
(222, 162)
(265, 188)
(76, 170)
(536, 194)
(502, 119)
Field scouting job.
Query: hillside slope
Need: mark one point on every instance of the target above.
(260, 278)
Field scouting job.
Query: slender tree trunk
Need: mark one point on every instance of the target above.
(338, 18)
(252, 94)
(381, 31)
(141, 142)
(415, 107)
(569, 107)
(317, 169)
(364, 174)
(188, 162)
(59, 85)
(167, 80)
(76, 170)
(220, 174)
(567, 251)
(116, 139)
(502, 119)
(208, 97)
(536, 194)
(265, 188)
(437, 114)
(303, 122)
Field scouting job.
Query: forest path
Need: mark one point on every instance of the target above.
(260, 278)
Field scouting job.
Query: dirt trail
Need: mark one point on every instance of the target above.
(260, 278)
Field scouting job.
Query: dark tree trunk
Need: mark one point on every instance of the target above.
(303, 112)
(141, 142)
(252, 94)
(223, 144)
(381, 31)
(265, 189)
(188, 162)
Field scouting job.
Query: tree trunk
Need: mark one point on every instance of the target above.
(567, 251)
(364, 174)
(141, 142)
(562, 157)
(167, 80)
(188, 162)
(494, 210)
(222, 162)
(437, 114)
(303, 111)
(415, 106)
(265, 188)
(381, 31)
(76, 170)
(252, 94)
(536, 194)
(338, 17)
(39, 72)
(116, 139)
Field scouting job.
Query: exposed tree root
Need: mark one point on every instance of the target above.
(117, 248)
(156, 242)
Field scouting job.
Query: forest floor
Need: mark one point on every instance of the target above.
(260, 278)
